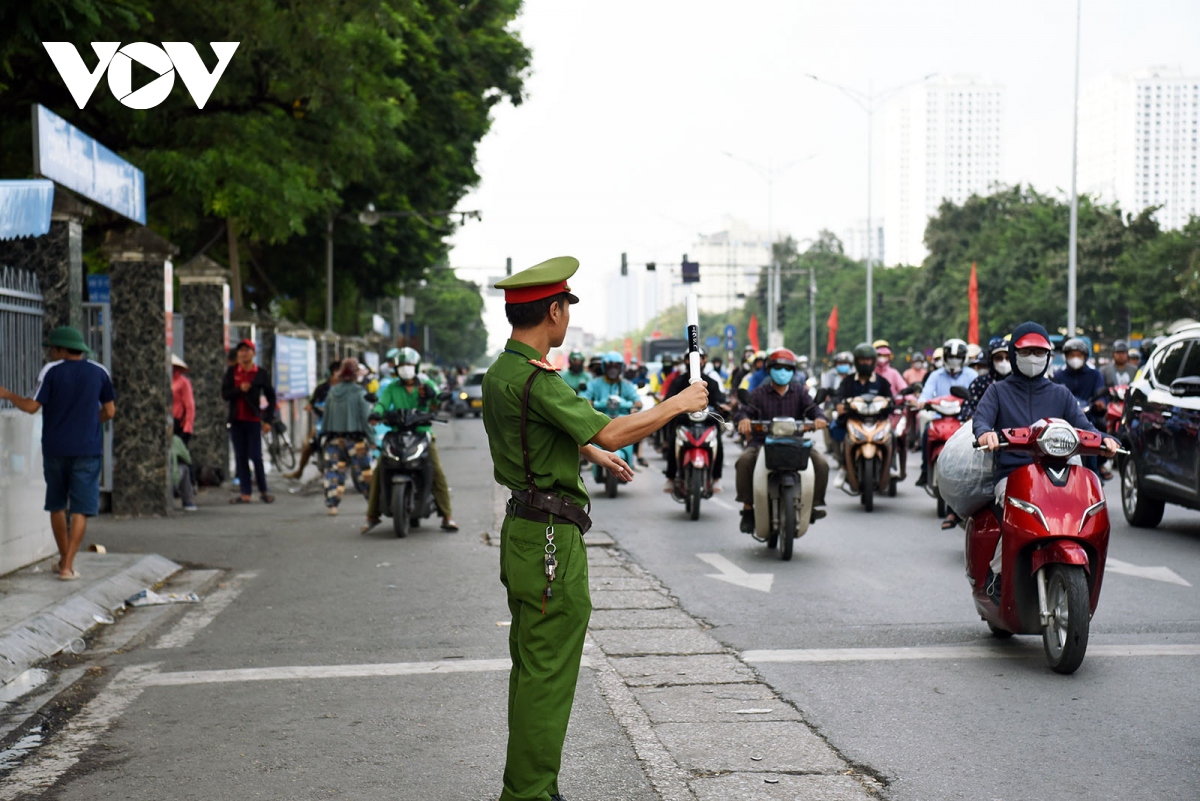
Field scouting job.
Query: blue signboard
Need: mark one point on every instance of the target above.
(98, 289)
(25, 208)
(292, 367)
(712, 342)
(730, 332)
(68, 156)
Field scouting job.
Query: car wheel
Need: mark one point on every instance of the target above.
(1140, 509)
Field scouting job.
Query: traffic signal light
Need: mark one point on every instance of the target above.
(780, 315)
(691, 271)
(508, 266)
(651, 266)
(624, 265)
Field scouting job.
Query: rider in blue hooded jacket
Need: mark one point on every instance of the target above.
(1020, 400)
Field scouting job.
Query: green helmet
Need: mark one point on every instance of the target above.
(864, 350)
(408, 356)
(576, 356)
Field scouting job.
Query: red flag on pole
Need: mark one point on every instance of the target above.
(973, 313)
(752, 331)
(832, 325)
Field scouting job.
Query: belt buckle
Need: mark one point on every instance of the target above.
(510, 508)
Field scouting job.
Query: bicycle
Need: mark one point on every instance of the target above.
(283, 454)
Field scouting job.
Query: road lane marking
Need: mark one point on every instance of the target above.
(733, 574)
(1153, 573)
(723, 504)
(195, 620)
(43, 768)
(943, 652)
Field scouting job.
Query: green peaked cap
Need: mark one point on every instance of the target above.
(540, 281)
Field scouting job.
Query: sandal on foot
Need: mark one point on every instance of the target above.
(371, 523)
(241, 499)
(72, 576)
(950, 522)
(267, 497)
(449, 525)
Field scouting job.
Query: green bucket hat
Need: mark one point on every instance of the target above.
(68, 338)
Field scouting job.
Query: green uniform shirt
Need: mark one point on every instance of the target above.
(559, 422)
(396, 397)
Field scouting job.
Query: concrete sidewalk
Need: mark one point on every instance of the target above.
(41, 615)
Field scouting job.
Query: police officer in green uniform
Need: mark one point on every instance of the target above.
(537, 428)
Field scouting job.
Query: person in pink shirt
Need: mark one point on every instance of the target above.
(884, 369)
(183, 402)
(916, 374)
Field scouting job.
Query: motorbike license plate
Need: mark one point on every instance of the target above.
(476, 403)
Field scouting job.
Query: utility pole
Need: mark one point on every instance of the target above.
(1073, 236)
(329, 273)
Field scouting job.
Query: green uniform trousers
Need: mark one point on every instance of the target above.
(545, 649)
(441, 487)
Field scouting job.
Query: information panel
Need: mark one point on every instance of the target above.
(293, 370)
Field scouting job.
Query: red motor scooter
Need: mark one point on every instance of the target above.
(946, 410)
(1055, 544)
(1116, 409)
(696, 443)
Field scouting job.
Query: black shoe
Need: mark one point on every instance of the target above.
(643, 463)
(992, 588)
(747, 521)
(557, 797)
(817, 514)
(922, 479)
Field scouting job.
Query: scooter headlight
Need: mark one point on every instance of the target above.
(881, 435)
(1059, 441)
(783, 427)
(462, 396)
(415, 453)
(878, 405)
(857, 434)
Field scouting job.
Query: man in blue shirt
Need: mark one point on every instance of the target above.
(75, 397)
(1087, 385)
(953, 372)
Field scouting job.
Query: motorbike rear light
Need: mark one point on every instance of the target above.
(1059, 441)
(783, 427)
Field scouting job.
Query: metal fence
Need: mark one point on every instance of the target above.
(20, 331)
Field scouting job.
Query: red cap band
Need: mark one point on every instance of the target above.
(1032, 340)
(246, 343)
(528, 294)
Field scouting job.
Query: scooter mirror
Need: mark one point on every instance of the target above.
(959, 392)
(822, 395)
(912, 389)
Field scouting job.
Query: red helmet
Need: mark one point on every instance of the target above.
(782, 357)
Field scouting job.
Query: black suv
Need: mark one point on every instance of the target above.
(1162, 431)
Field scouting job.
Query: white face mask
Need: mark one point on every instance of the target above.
(1003, 368)
(1074, 362)
(1032, 366)
(407, 372)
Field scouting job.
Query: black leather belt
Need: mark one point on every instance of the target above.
(549, 507)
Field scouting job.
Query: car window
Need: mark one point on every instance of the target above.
(1191, 363)
(1166, 364)
(474, 380)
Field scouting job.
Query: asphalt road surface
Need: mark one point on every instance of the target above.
(195, 706)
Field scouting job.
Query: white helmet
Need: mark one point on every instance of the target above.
(954, 355)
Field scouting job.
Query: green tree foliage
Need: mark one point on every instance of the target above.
(453, 311)
(325, 107)
(1132, 276)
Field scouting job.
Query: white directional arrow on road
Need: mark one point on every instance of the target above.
(1155, 573)
(735, 575)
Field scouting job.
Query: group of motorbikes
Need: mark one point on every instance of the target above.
(1054, 522)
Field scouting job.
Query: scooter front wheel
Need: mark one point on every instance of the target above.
(610, 484)
(1065, 637)
(787, 522)
(695, 489)
(867, 482)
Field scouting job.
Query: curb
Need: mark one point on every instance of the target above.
(49, 631)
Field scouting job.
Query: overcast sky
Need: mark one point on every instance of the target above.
(631, 103)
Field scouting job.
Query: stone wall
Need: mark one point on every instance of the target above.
(49, 257)
(201, 303)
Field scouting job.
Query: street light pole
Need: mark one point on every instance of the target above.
(869, 101)
(1072, 264)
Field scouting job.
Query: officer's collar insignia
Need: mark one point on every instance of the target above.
(543, 365)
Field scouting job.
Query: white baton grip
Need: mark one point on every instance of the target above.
(693, 338)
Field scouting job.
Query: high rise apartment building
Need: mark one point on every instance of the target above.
(1138, 142)
(942, 141)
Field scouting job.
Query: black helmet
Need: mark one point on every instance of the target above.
(1120, 345)
(864, 358)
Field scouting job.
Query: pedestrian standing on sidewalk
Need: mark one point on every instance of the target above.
(183, 401)
(538, 427)
(76, 397)
(246, 386)
(345, 434)
(181, 474)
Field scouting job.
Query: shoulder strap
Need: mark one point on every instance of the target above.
(524, 437)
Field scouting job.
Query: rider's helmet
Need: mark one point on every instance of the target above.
(975, 355)
(937, 356)
(392, 354)
(917, 356)
(575, 359)
(997, 345)
(1075, 345)
(1119, 346)
(802, 362)
(759, 358)
(1135, 355)
(864, 358)
(612, 356)
(781, 358)
(613, 364)
(406, 356)
(954, 355)
(845, 357)
(668, 361)
(882, 348)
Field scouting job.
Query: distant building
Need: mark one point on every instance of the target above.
(942, 142)
(854, 241)
(1138, 142)
(730, 262)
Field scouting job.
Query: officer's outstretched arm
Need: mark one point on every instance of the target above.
(635, 427)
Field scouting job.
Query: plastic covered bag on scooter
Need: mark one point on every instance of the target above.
(966, 477)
